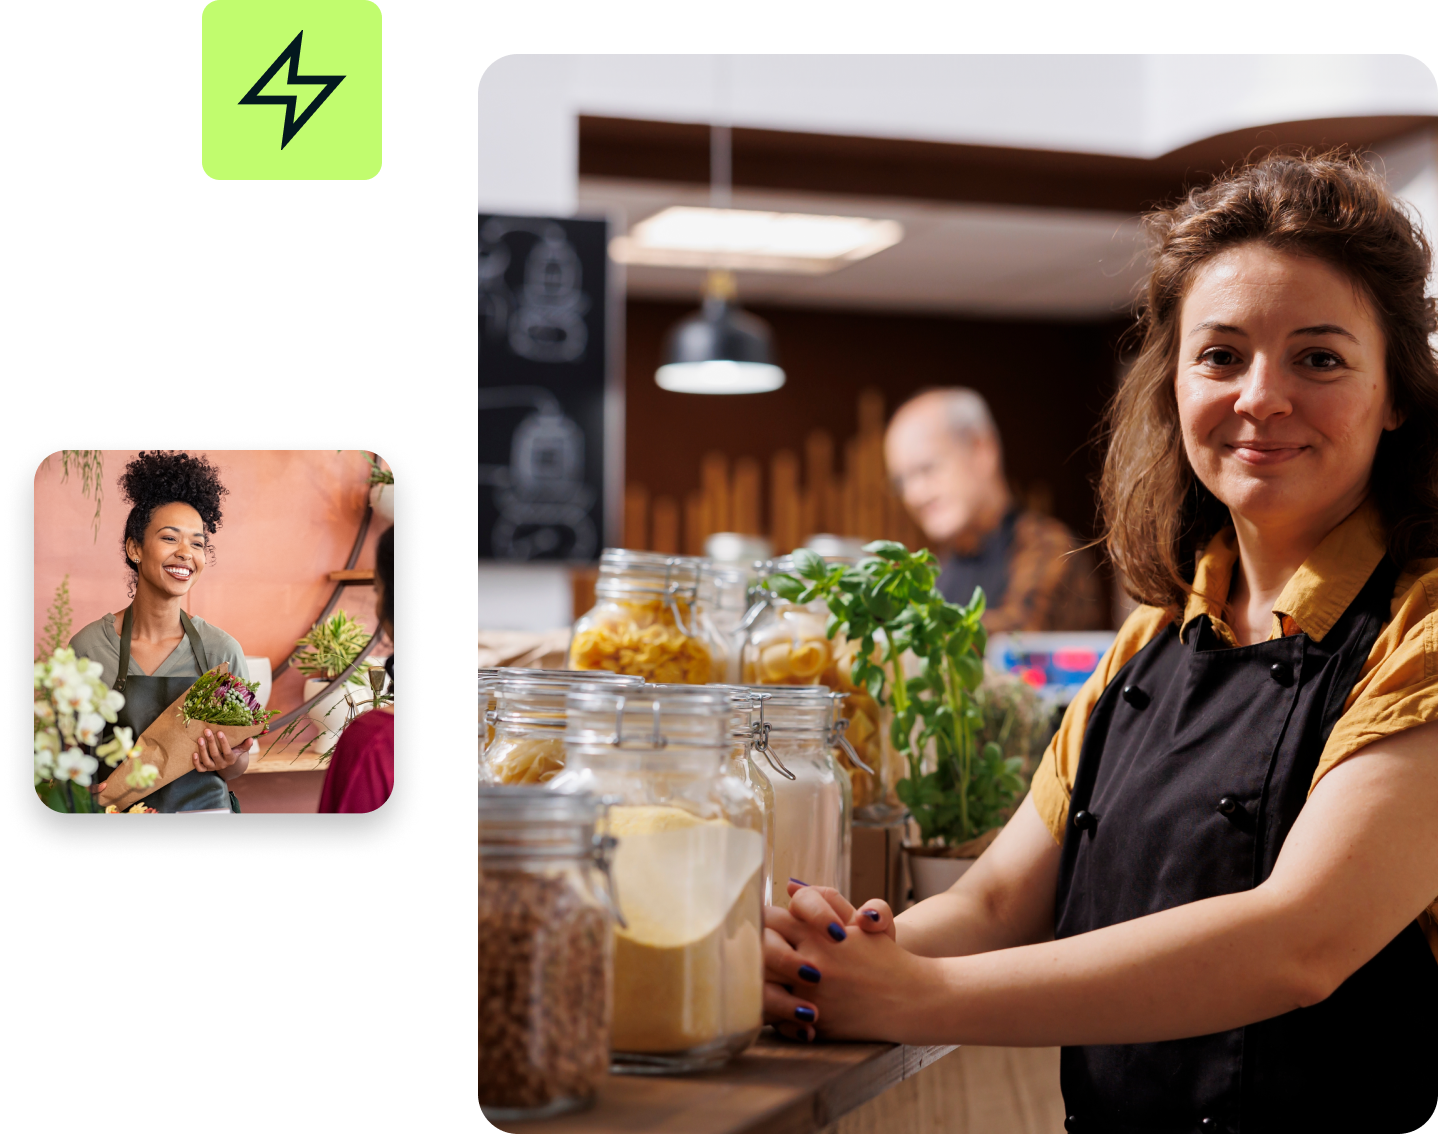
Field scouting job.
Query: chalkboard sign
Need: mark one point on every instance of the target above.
(543, 363)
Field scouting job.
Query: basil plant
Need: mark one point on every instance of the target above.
(889, 604)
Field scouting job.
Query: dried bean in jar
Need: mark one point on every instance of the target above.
(544, 992)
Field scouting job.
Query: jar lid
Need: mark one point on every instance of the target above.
(648, 718)
(489, 675)
(521, 820)
(623, 571)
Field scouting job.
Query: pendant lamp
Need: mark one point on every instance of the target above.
(720, 349)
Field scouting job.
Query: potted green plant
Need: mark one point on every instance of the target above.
(958, 791)
(381, 487)
(329, 649)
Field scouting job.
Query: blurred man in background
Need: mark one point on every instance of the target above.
(945, 459)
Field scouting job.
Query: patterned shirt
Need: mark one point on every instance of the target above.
(1035, 574)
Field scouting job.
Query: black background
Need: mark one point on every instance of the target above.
(578, 385)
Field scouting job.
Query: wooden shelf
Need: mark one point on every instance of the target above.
(356, 575)
(773, 1088)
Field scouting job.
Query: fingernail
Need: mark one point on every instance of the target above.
(208, 732)
(872, 915)
(809, 1035)
(797, 882)
(804, 1013)
(809, 973)
(222, 736)
(836, 931)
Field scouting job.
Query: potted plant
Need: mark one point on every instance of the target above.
(329, 649)
(958, 791)
(381, 488)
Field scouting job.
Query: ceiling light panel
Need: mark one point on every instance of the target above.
(685, 236)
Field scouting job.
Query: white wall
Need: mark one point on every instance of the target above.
(525, 596)
(1136, 105)
(528, 136)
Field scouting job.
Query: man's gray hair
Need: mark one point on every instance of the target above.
(965, 411)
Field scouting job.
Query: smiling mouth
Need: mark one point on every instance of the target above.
(1265, 452)
(181, 573)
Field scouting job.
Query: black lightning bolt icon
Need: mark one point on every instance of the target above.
(293, 125)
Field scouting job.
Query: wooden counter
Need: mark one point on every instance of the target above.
(773, 1088)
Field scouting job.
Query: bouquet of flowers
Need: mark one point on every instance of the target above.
(72, 708)
(224, 699)
(216, 699)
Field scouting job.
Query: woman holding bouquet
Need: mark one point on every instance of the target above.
(152, 651)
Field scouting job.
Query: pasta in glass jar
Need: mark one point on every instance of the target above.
(788, 644)
(644, 622)
(527, 718)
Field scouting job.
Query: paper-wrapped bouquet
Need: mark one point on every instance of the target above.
(218, 700)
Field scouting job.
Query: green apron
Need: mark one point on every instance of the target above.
(145, 699)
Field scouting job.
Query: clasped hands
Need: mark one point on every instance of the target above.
(832, 969)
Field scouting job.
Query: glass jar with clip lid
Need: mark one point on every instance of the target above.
(545, 952)
(644, 622)
(786, 643)
(526, 722)
(688, 965)
(798, 727)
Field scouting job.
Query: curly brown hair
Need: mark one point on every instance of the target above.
(1156, 513)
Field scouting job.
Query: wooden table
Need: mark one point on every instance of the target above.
(773, 1088)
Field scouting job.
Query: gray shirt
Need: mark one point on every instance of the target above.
(100, 641)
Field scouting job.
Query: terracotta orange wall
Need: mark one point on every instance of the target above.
(289, 519)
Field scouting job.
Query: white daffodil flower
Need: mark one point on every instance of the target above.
(75, 766)
(48, 740)
(90, 668)
(44, 766)
(118, 747)
(111, 704)
(143, 776)
(88, 728)
(45, 711)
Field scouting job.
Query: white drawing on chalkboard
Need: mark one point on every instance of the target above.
(544, 322)
(542, 499)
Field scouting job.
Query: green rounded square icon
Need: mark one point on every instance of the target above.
(291, 90)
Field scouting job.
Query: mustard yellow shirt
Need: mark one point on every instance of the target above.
(1397, 688)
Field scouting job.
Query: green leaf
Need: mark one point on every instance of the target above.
(887, 549)
(970, 670)
(810, 564)
(786, 587)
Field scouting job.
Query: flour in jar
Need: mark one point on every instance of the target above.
(688, 969)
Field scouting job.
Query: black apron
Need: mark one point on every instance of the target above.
(145, 699)
(1195, 764)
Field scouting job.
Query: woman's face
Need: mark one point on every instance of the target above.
(173, 554)
(1281, 387)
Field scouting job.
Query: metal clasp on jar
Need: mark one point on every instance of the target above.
(760, 730)
(838, 726)
(673, 592)
(601, 852)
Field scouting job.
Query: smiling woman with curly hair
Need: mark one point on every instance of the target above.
(152, 651)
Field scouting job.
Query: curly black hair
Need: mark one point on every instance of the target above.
(156, 478)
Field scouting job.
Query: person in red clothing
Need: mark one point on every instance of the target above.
(361, 771)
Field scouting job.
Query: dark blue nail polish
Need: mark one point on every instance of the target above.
(809, 973)
(872, 915)
(836, 931)
(797, 882)
(804, 1013)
